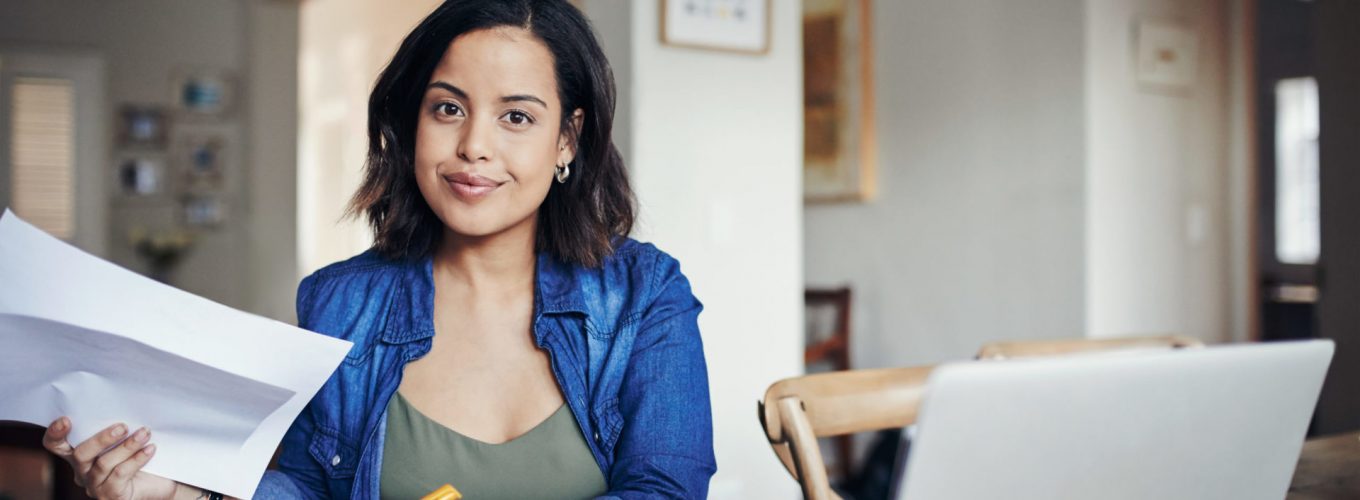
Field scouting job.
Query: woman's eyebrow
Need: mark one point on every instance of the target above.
(524, 97)
(449, 87)
(440, 84)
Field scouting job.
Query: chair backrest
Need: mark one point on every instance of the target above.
(796, 411)
(827, 345)
(1028, 348)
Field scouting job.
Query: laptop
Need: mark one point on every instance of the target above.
(1222, 422)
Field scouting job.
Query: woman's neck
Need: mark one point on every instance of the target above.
(498, 264)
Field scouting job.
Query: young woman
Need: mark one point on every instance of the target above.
(509, 338)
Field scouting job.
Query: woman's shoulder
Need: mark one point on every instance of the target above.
(633, 254)
(347, 284)
(360, 269)
(633, 277)
(664, 283)
(627, 252)
(368, 262)
(634, 268)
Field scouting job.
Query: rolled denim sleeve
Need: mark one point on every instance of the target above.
(666, 446)
(278, 485)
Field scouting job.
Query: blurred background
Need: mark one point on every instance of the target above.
(848, 183)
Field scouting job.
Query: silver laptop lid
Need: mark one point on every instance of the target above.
(1220, 422)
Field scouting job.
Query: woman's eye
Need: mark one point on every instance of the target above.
(518, 118)
(447, 109)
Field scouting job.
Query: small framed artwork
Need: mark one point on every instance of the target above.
(1168, 55)
(202, 93)
(142, 126)
(204, 211)
(201, 160)
(839, 140)
(741, 26)
(141, 176)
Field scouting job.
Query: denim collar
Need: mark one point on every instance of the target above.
(410, 318)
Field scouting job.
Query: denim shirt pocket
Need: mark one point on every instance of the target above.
(608, 424)
(336, 457)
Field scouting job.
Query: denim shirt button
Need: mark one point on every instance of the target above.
(597, 437)
(335, 461)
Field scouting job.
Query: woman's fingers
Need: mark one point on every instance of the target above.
(55, 438)
(118, 485)
(55, 441)
(86, 452)
(102, 469)
(105, 465)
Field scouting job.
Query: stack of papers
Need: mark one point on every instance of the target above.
(87, 339)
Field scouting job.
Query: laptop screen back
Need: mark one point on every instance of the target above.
(1220, 422)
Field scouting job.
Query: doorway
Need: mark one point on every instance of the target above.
(52, 142)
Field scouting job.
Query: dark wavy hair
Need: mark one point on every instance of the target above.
(580, 220)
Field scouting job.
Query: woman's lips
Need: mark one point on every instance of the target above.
(471, 187)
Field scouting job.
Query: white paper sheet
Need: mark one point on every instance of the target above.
(251, 361)
(99, 379)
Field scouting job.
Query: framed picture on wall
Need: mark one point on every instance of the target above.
(203, 211)
(1167, 56)
(839, 144)
(201, 160)
(141, 176)
(741, 26)
(143, 126)
(202, 93)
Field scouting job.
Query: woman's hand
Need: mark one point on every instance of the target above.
(110, 473)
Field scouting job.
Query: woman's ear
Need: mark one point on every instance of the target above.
(569, 138)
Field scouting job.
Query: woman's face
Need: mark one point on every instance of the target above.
(488, 138)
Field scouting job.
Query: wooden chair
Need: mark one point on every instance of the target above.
(831, 349)
(834, 349)
(1023, 349)
(796, 411)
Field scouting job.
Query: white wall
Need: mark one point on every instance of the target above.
(977, 232)
(1157, 182)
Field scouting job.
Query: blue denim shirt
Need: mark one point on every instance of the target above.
(624, 344)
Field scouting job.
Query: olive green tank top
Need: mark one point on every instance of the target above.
(552, 460)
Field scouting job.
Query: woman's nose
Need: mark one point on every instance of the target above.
(475, 143)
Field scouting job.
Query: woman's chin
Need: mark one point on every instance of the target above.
(474, 229)
(465, 225)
